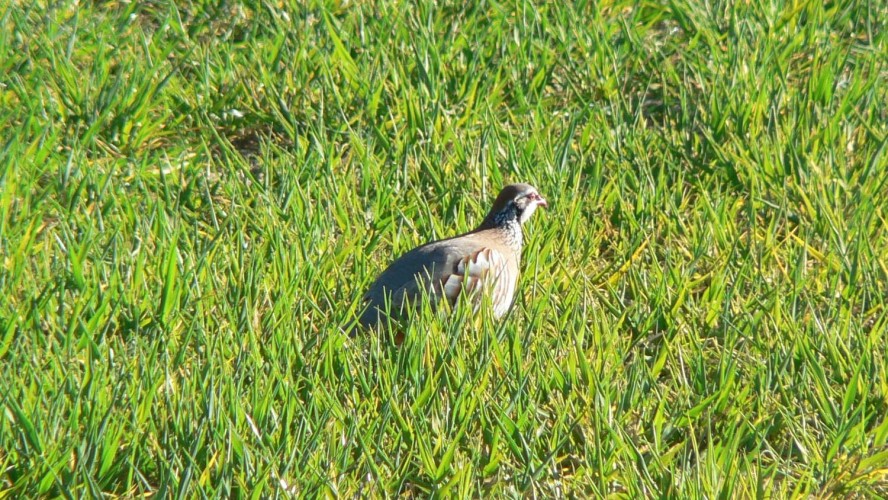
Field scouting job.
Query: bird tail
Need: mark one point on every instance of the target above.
(366, 321)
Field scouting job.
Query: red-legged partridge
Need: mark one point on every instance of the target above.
(484, 260)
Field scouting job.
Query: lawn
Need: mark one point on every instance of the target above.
(193, 198)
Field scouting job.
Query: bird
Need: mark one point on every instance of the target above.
(482, 261)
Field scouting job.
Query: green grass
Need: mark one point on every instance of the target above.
(194, 197)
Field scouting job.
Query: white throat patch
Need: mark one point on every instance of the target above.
(527, 212)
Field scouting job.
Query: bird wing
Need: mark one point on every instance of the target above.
(443, 269)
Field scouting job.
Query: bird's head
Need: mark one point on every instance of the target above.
(516, 202)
